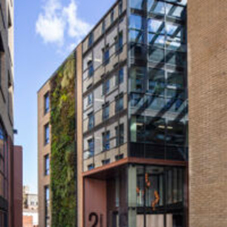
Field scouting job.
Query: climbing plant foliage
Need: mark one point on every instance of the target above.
(63, 155)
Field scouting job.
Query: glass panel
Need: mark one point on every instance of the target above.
(137, 4)
(156, 55)
(155, 130)
(175, 58)
(156, 40)
(156, 26)
(156, 7)
(136, 36)
(135, 22)
(176, 37)
(156, 83)
(137, 100)
(175, 11)
(155, 103)
(137, 79)
(175, 132)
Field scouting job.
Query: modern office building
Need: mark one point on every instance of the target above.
(10, 155)
(140, 161)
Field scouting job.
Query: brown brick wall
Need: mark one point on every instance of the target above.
(42, 152)
(207, 43)
(27, 221)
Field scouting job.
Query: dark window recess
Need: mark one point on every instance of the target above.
(106, 161)
(119, 157)
(90, 121)
(120, 9)
(119, 43)
(90, 40)
(106, 111)
(112, 16)
(103, 27)
(119, 135)
(90, 68)
(46, 103)
(106, 140)
(106, 87)
(106, 55)
(120, 77)
(91, 166)
(47, 165)
(119, 105)
(46, 134)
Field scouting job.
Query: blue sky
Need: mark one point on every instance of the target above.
(45, 33)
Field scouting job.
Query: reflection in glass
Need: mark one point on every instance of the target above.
(137, 4)
(157, 7)
(155, 130)
(137, 100)
(156, 81)
(156, 55)
(155, 103)
(136, 36)
(158, 194)
(175, 133)
(156, 26)
(175, 11)
(136, 22)
(137, 79)
(156, 40)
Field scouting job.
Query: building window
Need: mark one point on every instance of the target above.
(106, 140)
(119, 103)
(47, 206)
(119, 43)
(90, 99)
(120, 77)
(47, 165)
(91, 166)
(90, 68)
(46, 103)
(120, 9)
(90, 121)
(119, 135)
(90, 152)
(90, 40)
(112, 16)
(106, 111)
(103, 27)
(106, 161)
(119, 157)
(106, 55)
(106, 87)
(46, 134)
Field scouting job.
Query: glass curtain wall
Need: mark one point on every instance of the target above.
(156, 196)
(158, 79)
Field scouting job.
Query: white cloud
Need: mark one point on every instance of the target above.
(57, 23)
(77, 28)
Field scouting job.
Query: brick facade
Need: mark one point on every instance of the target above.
(207, 112)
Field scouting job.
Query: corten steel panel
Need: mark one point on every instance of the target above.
(43, 180)
(207, 29)
(95, 201)
(79, 139)
(18, 186)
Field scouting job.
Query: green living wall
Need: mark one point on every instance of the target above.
(63, 155)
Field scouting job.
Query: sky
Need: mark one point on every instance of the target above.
(46, 31)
